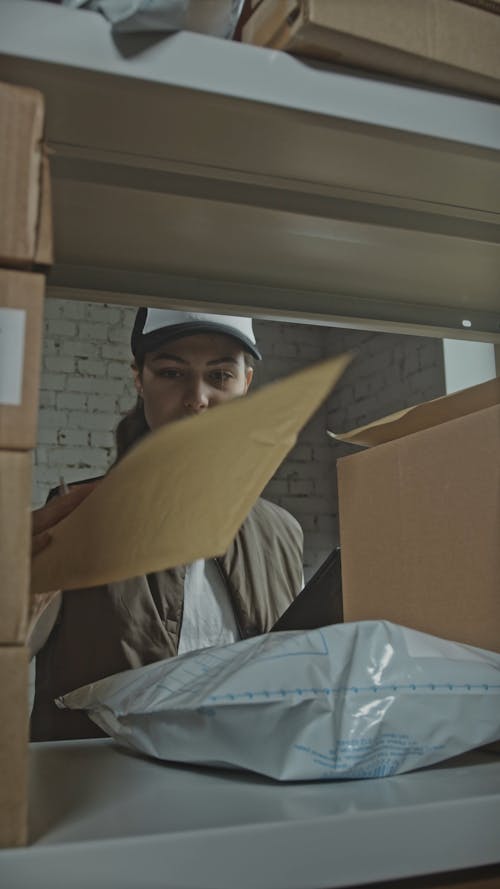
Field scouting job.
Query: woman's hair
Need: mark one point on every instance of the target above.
(133, 426)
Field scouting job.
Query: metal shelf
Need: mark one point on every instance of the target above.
(189, 169)
(101, 816)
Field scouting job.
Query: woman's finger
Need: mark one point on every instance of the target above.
(59, 507)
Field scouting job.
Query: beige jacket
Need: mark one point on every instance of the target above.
(108, 629)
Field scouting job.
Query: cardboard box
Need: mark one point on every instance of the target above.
(444, 43)
(25, 220)
(420, 519)
(246, 11)
(21, 328)
(15, 545)
(13, 746)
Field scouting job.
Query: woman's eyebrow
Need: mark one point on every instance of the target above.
(228, 359)
(167, 356)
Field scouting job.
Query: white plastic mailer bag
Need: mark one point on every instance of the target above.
(357, 700)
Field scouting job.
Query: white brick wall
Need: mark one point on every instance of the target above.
(299, 484)
(87, 386)
(82, 396)
(389, 373)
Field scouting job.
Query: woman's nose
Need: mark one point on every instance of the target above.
(196, 397)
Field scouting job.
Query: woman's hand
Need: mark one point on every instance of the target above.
(56, 509)
(44, 607)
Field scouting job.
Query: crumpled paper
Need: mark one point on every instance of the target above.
(216, 17)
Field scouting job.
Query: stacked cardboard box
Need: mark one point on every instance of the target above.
(25, 250)
(452, 44)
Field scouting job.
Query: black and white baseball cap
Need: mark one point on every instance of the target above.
(154, 327)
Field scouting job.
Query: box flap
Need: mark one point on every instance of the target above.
(424, 416)
(44, 253)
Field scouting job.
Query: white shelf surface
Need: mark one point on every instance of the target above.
(103, 817)
(192, 170)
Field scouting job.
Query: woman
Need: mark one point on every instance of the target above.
(184, 364)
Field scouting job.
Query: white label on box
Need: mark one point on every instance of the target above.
(12, 327)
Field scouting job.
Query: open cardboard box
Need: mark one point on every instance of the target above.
(444, 43)
(420, 518)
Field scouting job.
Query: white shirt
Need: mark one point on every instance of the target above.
(208, 616)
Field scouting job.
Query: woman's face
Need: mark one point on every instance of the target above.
(190, 375)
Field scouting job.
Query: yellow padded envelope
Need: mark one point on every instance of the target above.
(185, 490)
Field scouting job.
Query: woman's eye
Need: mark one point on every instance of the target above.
(221, 376)
(170, 373)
